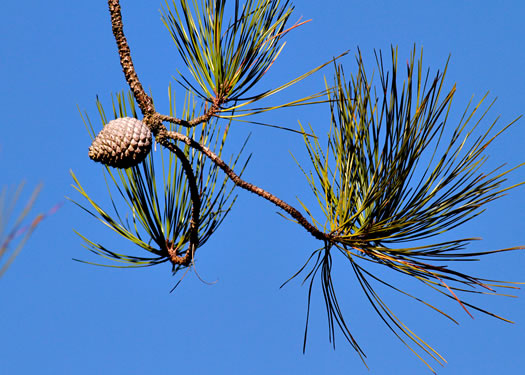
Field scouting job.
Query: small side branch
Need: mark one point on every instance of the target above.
(197, 120)
(187, 258)
(250, 187)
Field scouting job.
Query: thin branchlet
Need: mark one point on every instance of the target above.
(294, 213)
(187, 258)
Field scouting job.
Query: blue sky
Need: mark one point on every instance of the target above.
(63, 317)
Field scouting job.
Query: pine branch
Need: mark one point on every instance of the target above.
(366, 181)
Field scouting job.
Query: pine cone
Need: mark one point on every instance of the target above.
(122, 143)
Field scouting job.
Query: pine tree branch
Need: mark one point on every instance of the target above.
(382, 208)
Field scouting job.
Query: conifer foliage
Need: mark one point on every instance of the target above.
(396, 173)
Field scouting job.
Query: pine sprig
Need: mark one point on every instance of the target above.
(226, 58)
(390, 176)
(158, 210)
(391, 180)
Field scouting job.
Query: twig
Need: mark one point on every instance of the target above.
(187, 258)
(197, 120)
(250, 187)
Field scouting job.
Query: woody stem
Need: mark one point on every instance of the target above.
(187, 258)
(250, 187)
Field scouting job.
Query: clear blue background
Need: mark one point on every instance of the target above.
(58, 316)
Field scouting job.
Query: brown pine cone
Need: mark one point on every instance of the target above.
(122, 143)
